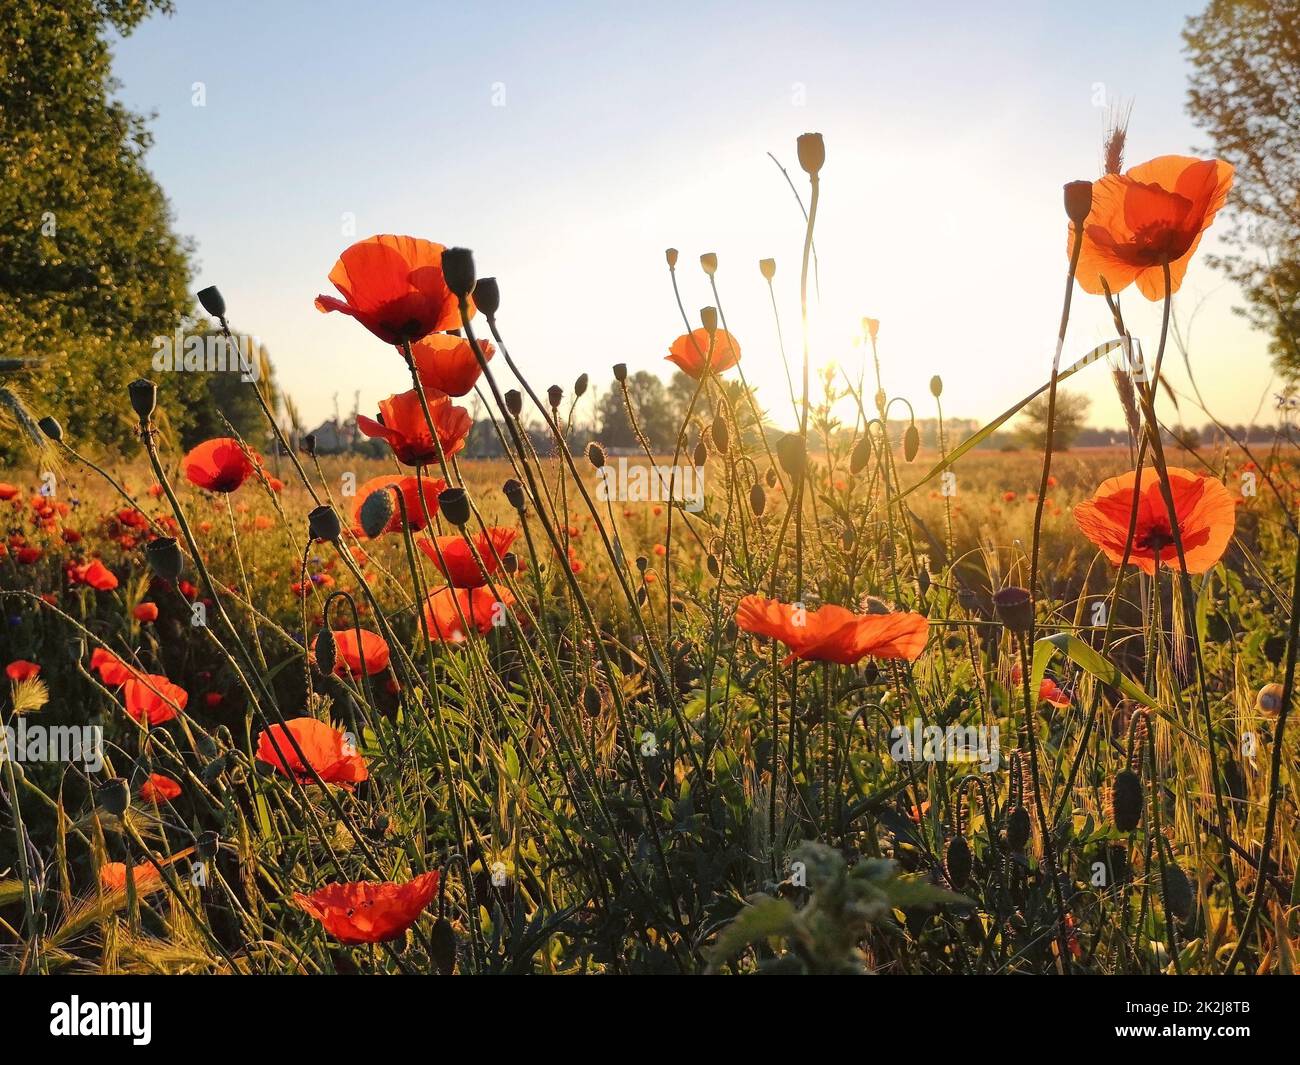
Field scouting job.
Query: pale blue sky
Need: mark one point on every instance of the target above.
(628, 128)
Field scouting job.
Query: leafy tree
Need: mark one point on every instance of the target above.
(89, 266)
(1245, 93)
(654, 413)
(1071, 416)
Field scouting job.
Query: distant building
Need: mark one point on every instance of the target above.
(333, 437)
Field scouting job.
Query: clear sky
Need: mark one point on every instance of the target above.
(570, 144)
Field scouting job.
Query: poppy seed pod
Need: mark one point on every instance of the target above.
(709, 261)
(757, 500)
(596, 455)
(376, 512)
(792, 454)
(936, 386)
(812, 153)
(327, 649)
(309, 444)
(514, 492)
(454, 504)
(164, 558)
(861, 455)
(323, 524)
(767, 267)
(709, 319)
(1014, 608)
(620, 372)
(114, 795)
(514, 402)
(487, 296)
(553, 396)
(721, 434)
(207, 844)
(76, 648)
(911, 442)
(671, 256)
(1126, 800)
(1078, 201)
(51, 427)
(580, 386)
(144, 397)
(458, 271)
(211, 300)
(642, 563)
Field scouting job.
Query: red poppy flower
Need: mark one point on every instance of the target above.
(447, 363)
(217, 465)
(1204, 508)
(1053, 694)
(694, 353)
(457, 563)
(401, 423)
(394, 287)
(20, 669)
(153, 698)
(95, 574)
(112, 876)
(8, 491)
(28, 555)
(373, 648)
(479, 607)
(159, 789)
(326, 750)
(111, 669)
(833, 634)
(1154, 214)
(410, 489)
(367, 911)
(146, 612)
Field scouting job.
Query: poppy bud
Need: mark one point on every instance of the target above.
(211, 300)
(376, 512)
(642, 563)
(114, 795)
(1178, 893)
(861, 455)
(164, 558)
(620, 372)
(911, 442)
(51, 427)
(454, 504)
(715, 567)
(207, 844)
(514, 402)
(553, 396)
(580, 386)
(923, 580)
(327, 649)
(957, 862)
(323, 524)
(671, 256)
(487, 296)
(936, 386)
(514, 494)
(641, 596)
(701, 455)
(510, 562)
(793, 455)
(458, 271)
(709, 260)
(812, 152)
(771, 477)
(596, 455)
(442, 946)
(1018, 827)
(757, 500)
(767, 267)
(721, 434)
(144, 397)
(309, 444)
(591, 700)
(76, 648)
(1014, 609)
(1078, 201)
(1126, 800)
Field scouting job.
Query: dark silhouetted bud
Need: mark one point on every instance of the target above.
(164, 558)
(923, 580)
(1126, 800)
(442, 946)
(207, 845)
(701, 455)
(791, 453)
(514, 402)
(580, 386)
(671, 256)
(968, 598)
(641, 596)
(51, 427)
(721, 434)
(936, 386)
(709, 319)
(642, 563)
(510, 562)
(553, 396)
(76, 648)
(1078, 201)
(709, 260)
(487, 296)
(596, 455)
(144, 397)
(514, 494)
(771, 477)
(620, 372)
(715, 567)
(812, 152)
(861, 455)
(323, 524)
(377, 512)
(757, 500)
(957, 862)
(327, 649)
(1268, 700)
(211, 300)
(591, 700)
(1014, 608)
(454, 504)
(309, 444)
(114, 795)
(911, 442)
(458, 271)
(1018, 826)
(767, 267)
(1179, 897)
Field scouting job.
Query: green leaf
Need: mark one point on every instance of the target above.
(763, 918)
(916, 890)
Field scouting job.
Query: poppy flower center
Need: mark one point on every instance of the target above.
(1157, 539)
